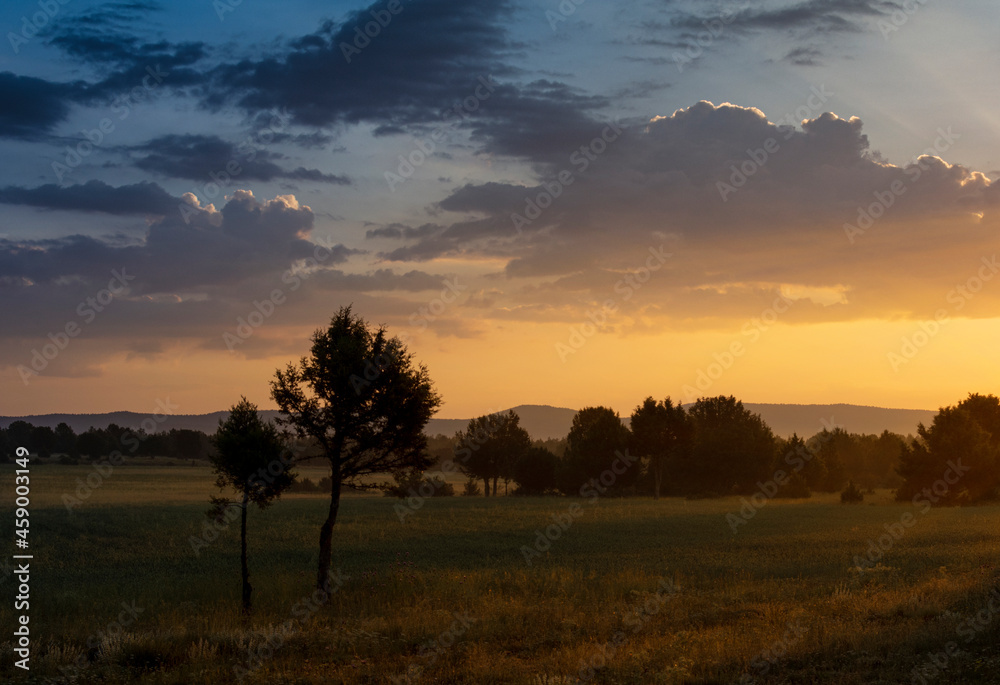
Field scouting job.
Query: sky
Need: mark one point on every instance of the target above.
(571, 203)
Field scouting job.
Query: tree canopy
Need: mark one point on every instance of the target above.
(362, 400)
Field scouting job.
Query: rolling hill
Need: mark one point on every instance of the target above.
(542, 421)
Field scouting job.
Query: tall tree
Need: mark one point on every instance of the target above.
(364, 403)
(43, 441)
(660, 432)
(490, 448)
(65, 439)
(957, 458)
(250, 458)
(595, 438)
(535, 471)
(733, 447)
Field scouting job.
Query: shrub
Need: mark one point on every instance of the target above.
(471, 488)
(852, 494)
(305, 485)
(409, 482)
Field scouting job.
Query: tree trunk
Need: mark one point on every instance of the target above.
(326, 532)
(247, 588)
(486, 487)
(657, 477)
(494, 486)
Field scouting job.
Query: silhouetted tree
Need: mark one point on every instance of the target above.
(956, 459)
(803, 462)
(490, 447)
(92, 443)
(835, 449)
(19, 434)
(250, 458)
(661, 431)
(359, 396)
(535, 471)
(43, 441)
(596, 439)
(66, 440)
(733, 448)
(185, 443)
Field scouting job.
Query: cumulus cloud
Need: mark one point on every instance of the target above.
(197, 271)
(750, 208)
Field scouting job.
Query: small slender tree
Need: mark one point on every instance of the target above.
(362, 401)
(250, 458)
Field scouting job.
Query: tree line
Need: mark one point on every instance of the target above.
(94, 443)
(714, 447)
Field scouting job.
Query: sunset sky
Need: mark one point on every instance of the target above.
(785, 201)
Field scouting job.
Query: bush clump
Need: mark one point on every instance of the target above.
(410, 483)
(852, 494)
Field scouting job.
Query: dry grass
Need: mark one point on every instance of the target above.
(791, 565)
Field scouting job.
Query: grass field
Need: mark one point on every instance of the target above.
(633, 591)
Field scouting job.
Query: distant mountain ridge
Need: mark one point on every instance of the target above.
(543, 422)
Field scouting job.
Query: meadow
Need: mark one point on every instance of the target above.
(632, 591)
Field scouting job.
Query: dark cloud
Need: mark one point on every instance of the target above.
(30, 107)
(196, 157)
(104, 39)
(95, 196)
(804, 56)
(429, 56)
(435, 62)
(814, 15)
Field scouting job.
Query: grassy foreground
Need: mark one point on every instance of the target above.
(632, 591)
